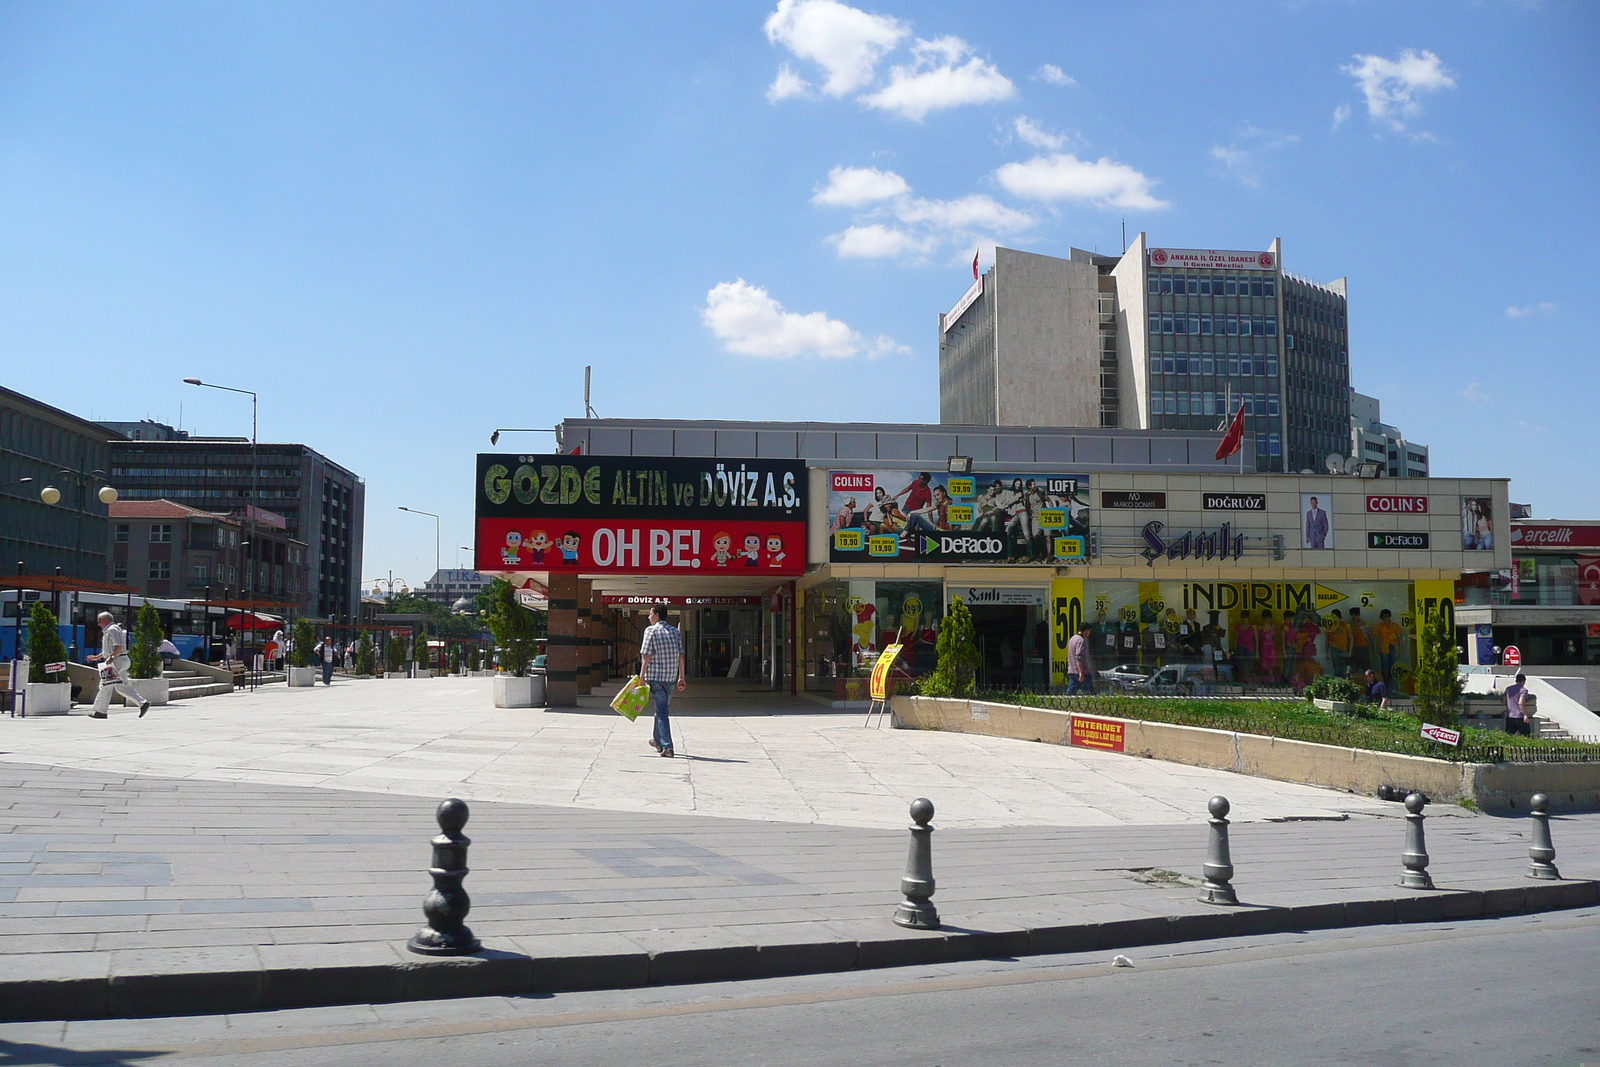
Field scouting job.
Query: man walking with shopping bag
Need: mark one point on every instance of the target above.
(114, 662)
(661, 665)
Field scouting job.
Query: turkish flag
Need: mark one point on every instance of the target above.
(974, 265)
(1588, 579)
(1234, 438)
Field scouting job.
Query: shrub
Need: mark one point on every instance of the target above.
(472, 657)
(394, 654)
(514, 627)
(305, 639)
(145, 656)
(1437, 682)
(365, 659)
(1328, 687)
(44, 645)
(956, 674)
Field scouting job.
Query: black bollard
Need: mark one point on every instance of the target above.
(447, 904)
(1415, 857)
(917, 909)
(1218, 871)
(1542, 853)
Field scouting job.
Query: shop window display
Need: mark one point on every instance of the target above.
(1256, 633)
(848, 623)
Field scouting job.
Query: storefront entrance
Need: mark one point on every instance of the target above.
(1013, 645)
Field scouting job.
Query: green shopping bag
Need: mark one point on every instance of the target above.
(632, 698)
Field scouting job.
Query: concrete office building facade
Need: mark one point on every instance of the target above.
(322, 503)
(37, 442)
(1157, 338)
(1374, 441)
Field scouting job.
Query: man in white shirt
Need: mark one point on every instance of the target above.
(114, 662)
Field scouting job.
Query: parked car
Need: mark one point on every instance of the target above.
(1181, 679)
(1123, 676)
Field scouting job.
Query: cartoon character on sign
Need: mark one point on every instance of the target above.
(775, 552)
(752, 549)
(569, 547)
(538, 544)
(511, 554)
(861, 630)
(722, 549)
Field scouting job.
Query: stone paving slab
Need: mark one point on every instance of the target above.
(230, 896)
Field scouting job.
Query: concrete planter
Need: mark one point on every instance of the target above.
(1338, 707)
(396, 674)
(48, 698)
(302, 677)
(513, 692)
(152, 689)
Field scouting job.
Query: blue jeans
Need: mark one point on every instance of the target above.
(662, 692)
(327, 672)
(1074, 685)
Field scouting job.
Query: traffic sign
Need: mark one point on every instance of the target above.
(1441, 734)
(1512, 657)
(54, 668)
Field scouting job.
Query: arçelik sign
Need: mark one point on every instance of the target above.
(1554, 535)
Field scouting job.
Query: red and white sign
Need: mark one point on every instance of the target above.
(54, 668)
(845, 482)
(1106, 734)
(620, 601)
(1397, 505)
(1441, 734)
(1554, 535)
(643, 546)
(1211, 259)
(1512, 656)
(1588, 579)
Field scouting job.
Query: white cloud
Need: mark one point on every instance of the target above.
(1543, 308)
(877, 241)
(968, 214)
(1063, 176)
(787, 84)
(1037, 135)
(1051, 74)
(1242, 158)
(748, 321)
(1474, 394)
(1340, 113)
(844, 41)
(857, 186)
(1391, 86)
(936, 78)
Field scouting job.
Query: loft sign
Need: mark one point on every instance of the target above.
(1198, 544)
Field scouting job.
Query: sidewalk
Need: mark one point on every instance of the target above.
(138, 895)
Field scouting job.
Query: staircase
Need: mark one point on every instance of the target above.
(184, 683)
(1546, 730)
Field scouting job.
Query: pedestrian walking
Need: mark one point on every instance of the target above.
(661, 665)
(1517, 707)
(1377, 689)
(326, 652)
(114, 662)
(1080, 678)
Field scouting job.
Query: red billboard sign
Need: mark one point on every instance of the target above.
(1104, 734)
(1554, 535)
(1397, 505)
(617, 600)
(642, 546)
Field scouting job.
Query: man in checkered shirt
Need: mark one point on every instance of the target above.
(661, 664)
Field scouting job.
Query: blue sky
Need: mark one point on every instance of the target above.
(407, 224)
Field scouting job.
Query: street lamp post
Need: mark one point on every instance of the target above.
(249, 513)
(435, 519)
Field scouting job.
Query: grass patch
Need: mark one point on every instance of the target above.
(1372, 728)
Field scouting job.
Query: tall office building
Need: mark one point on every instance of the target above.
(322, 503)
(44, 447)
(1157, 338)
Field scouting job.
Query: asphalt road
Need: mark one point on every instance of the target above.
(1506, 991)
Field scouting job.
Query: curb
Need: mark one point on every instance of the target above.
(508, 974)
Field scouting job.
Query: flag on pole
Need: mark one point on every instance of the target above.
(1234, 438)
(974, 266)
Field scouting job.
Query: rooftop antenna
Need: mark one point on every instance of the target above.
(1124, 236)
(588, 412)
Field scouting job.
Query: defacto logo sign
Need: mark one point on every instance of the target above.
(1397, 505)
(1234, 501)
(971, 546)
(1554, 535)
(1211, 259)
(1383, 539)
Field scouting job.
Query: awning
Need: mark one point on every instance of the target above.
(247, 621)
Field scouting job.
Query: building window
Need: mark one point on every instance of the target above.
(1275, 444)
(119, 570)
(1155, 323)
(122, 533)
(1272, 325)
(1183, 403)
(1272, 366)
(161, 533)
(1246, 367)
(1209, 403)
(1272, 404)
(1233, 325)
(1169, 364)
(1154, 284)
(160, 568)
(1166, 324)
(1172, 403)
(201, 572)
(1183, 363)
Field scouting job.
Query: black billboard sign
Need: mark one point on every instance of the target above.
(1396, 539)
(1234, 501)
(639, 487)
(1133, 500)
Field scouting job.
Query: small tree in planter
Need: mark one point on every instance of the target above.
(516, 632)
(305, 640)
(394, 654)
(44, 646)
(956, 674)
(472, 657)
(420, 653)
(144, 658)
(1437, 683)
(366, 660)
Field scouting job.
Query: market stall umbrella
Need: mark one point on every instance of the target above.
(247, 621)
